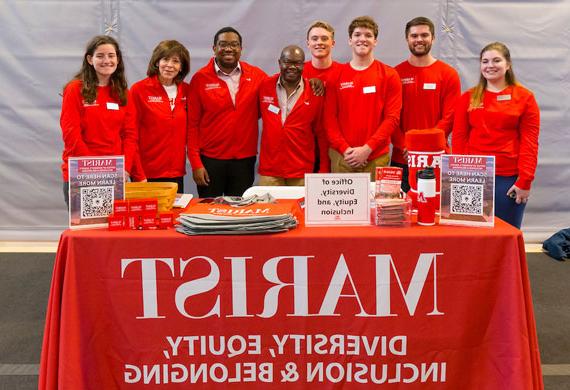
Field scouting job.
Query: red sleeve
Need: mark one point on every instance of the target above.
(262, 76)
(135, 100)
(461, 129)
(324, 160)
(335, 138)
(452, 92)
(194, 116)
(398, 139)
(130, 136)
(528, 153)
(391, 115)
(137, 170)
(70, 121)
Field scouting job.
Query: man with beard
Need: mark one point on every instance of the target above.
(430, 89)
(362, 105)
(223, 119)
(291, 114)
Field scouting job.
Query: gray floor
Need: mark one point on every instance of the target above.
(24, 287)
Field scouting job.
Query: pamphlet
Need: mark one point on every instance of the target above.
(467, 190)
(182, 200)
(94, 184)
(388, 182)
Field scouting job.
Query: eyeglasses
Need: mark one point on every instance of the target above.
(225, 45)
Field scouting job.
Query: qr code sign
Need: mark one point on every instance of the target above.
(97, 202)
(467, 199)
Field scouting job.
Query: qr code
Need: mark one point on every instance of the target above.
(467, 199)
(97, 202)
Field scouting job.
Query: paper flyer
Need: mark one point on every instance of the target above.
(467, 190)
(94, 183)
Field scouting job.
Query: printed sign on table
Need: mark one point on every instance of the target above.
(94, 183)
(467, 190)
(337, 199)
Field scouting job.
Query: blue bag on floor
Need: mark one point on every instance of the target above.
(558, 245)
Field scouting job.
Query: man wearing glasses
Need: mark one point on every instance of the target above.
(223, 119)
(291, 115)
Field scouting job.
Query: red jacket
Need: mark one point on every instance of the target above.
(101, 128)
(288, 150)
(363, 107)
(162, 131)
(217, 128)
(429, 95)
(505, 126)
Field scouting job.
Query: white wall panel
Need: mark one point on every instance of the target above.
(42, 43)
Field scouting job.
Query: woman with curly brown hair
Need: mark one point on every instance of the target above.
(96, 119)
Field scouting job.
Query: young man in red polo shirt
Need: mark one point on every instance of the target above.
(223, 119)
(362, 105)
(430, 89)
(291, 116)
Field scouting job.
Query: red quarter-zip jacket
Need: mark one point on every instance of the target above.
(162, 131)
(288, 149)
(101, 128)
(216, 127)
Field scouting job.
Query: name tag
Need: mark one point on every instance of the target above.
(370, 89)
(429, 85)
(112, 106)
(502, 98)
(273, 109)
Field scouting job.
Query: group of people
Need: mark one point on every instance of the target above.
(317, 115)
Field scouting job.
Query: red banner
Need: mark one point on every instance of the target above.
(418, 308)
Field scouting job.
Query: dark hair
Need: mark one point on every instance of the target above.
(321, 24)
(420, 21)
(226, 30)
(479, 89)
(167, 49)
(88, 76)
(364, 22)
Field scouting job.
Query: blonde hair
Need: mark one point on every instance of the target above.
(321, 24)
(478, 90)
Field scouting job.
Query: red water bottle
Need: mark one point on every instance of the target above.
(426, 197)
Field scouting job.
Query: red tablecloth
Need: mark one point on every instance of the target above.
(414, 308)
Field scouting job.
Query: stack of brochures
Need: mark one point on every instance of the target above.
(392, 207)
(258, 218)
(396, 212)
